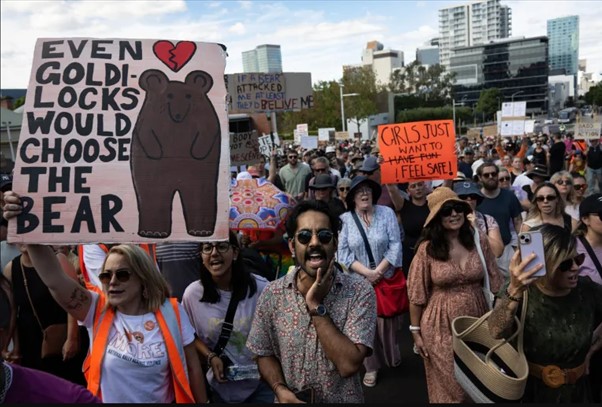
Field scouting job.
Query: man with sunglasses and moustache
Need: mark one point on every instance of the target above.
(503, 206)
(313, 328)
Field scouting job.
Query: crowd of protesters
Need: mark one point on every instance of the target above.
(194, 322)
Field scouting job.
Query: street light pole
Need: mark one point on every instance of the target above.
(454, 109)
(514, 94)
(343, 105)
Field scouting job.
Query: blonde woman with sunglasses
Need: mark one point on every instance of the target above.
(548, 207)
(141, 341)
(564, 182)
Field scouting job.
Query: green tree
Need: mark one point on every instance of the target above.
(594, 95)
(362, 81)
(430, 84)
(489, 102)
(19, 102)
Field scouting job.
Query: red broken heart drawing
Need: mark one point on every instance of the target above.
(175, 57)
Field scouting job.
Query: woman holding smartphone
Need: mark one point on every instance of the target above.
(563, 312)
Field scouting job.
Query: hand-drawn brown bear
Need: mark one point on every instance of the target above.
(176, 146)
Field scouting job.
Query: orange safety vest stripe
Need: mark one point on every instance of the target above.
(103, 321)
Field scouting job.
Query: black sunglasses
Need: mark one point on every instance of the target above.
(568, 263)
(342, 189)
(502, 179)
(547, 198)
(324, 236)
(472, 197)
(489, 174)
(122, 275)
(222, 247)
(579, 186)
(457, 207)
(293, 156)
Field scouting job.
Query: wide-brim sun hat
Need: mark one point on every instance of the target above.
(358, 181)
(440, 197)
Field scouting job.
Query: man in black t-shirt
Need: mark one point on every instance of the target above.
(557, 152)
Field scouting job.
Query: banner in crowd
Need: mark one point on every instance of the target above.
(267, 144)
(269, 92)
(326, 134)
(123, 141)
(309, 142)
(417, 151)
(244, 148)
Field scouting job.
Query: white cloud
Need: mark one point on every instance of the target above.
(238, 28)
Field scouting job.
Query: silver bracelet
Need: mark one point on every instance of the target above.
(414, 328)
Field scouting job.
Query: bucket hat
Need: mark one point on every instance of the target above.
(322, 181)
(356, 182)
(539, 170)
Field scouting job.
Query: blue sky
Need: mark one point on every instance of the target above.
(315, 36)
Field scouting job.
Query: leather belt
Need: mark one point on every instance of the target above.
(554, 376)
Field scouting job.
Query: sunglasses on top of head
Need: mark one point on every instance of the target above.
(324, 236)
(122, 275)
(457, 207)
(568, 263)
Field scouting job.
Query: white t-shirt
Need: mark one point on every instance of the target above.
(208, 319)
(137, 370)
(521, 180)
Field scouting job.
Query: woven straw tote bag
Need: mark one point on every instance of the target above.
(489, 370)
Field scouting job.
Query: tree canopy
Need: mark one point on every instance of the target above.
(489, 102)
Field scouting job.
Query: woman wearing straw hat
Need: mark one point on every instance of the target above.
(445, 281)
(380, 226)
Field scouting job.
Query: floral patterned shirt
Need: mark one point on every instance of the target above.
(282, 327)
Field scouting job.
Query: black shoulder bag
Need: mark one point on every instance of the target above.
(363, 233)
(591, 253)
(224, 335)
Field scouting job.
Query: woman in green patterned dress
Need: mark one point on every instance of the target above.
(563, 311)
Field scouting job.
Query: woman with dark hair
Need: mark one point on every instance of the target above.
(445, 281)
(224, 279)
(382, 230)
(563, 312)
(547, 206)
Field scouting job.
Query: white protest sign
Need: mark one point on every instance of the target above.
(587, 131)
(507, 110)
(123, 141)
(518, 127)
(265, 144)
(529, 126)
(324, 133)
(519, 109)
(309, 142)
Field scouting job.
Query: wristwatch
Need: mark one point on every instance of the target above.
(319, 311)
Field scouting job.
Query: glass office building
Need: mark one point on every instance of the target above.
(264, 58)
(563, 35)
(516, 67)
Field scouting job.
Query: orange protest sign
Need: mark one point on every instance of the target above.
(417, 151)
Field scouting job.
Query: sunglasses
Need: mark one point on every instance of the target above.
(293, 156)
(456, 207)
(579, 187)
(122, 275)
(472, 197)
(546, 198)
(222, 247)
(324, 236)
(502, 179)
(344, 189)
(568, 263)
(319, 169)
(489, 174)
(564, 182)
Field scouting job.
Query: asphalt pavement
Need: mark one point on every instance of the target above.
(405, 384)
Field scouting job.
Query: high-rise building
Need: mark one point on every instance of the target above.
(563, 35)
(428, 54)
(383, 61)
(264, 58)
(518, 67)
(472, 24)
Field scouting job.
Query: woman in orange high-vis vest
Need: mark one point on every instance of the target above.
(141, 341)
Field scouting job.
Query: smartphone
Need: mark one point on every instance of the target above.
(532, 242)
(306, 395)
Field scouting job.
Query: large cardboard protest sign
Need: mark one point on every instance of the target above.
(417, 151)
(244, 148)
(587, 130)
(123, 141)
(268, 143)
(269, 92)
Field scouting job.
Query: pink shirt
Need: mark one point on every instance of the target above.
(588, 268)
